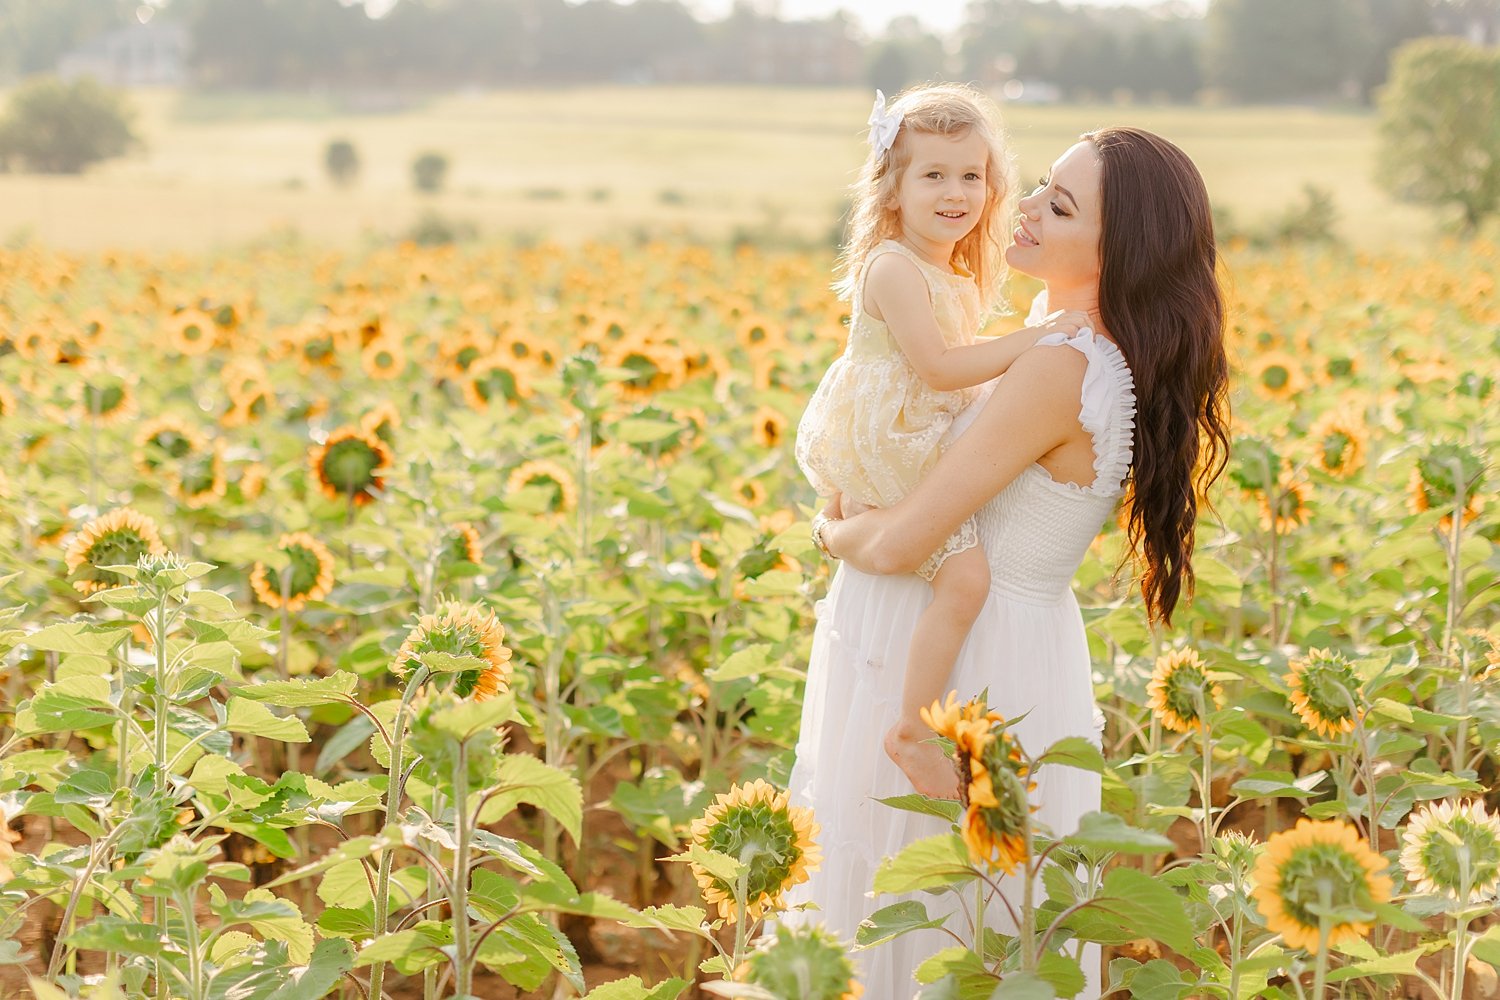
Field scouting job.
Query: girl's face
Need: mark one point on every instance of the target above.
(943, 189)
(1060, 223)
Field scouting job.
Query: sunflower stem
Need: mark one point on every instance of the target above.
(161, 710)
(464, 962)
(979, 919)
(393, 794)
(741, 890)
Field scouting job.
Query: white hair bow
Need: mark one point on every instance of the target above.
(883, 125)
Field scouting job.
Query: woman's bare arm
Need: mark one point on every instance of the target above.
(1032, 411)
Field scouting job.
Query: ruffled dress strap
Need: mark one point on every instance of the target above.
(1106, 406)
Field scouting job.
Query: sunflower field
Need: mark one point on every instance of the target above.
(431, 622)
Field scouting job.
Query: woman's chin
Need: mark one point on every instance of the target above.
(1017, 258)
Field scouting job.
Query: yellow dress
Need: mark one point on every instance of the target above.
(873, 428)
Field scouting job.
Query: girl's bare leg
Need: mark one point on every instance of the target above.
(959, 590)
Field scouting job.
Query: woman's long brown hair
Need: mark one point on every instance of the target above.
(1159, 297)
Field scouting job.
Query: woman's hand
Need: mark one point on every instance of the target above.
(853, 508)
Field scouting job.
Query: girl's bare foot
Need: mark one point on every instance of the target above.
(930, 770)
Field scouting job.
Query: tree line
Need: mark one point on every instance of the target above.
(1241, 50)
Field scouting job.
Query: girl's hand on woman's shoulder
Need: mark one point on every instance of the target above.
(1068, 321)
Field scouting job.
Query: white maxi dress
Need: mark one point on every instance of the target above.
(1027, 647)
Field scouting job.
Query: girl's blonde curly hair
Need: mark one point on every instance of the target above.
(948, 109)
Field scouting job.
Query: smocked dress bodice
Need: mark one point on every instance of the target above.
(1036, 531)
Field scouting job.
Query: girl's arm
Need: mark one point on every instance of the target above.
(1032, 411)
(897, 289)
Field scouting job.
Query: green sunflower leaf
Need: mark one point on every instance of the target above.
(301, 692)
(925, 864)
(1102, 831)
(254, 719)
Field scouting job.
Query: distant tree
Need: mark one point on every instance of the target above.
(907, 54)
(53, 127)
(428, 171)
(1440, 127)
(1278, 50)
(1389, 23)
(341, 160)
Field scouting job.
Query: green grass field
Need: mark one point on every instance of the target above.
(574, 163)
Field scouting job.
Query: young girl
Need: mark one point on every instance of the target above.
(922, 268)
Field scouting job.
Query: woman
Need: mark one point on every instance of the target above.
(1122, 230)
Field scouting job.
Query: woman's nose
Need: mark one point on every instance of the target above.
(1027, 204)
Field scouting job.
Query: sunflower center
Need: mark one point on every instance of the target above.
(763, 838)
(116, 548)
(1443, 862)
(350, 465)
(304, 567)
(1329, 691)
(1185, 687)
(1322, 875)
(1275, 377)
(1335, 449)
(105, 399)
(456, 640)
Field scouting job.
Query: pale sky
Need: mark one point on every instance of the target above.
(940, 16)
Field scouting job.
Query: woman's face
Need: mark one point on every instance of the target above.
(1061, 221)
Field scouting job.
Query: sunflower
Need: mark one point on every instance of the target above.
(462, 544)
(547, 474)
(808, 963)
(351, 464)
(118, 538)
(1276, 375)
(309, 573)
(755, 825)
(1339, 439)
(1453, 849)
(382, 421)
(461, 630)
(1440, 475)
(7, 403)
(655, 366)
(162, 439)
(252, 481)
(769, 427)
(1180, 691)
(242, 376)
(1319, 864)
(191, 332)
(705, 559)
(758, 335)
(1290, 510)
(749, 492)
(1324, 692)
(104, 397)
(383, 359)
(198, 480)
(994, 793)
(494, 378)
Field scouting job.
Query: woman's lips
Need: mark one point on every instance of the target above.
(1024, 238)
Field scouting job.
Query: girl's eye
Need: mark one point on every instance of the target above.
(973, 176)
(933, 173)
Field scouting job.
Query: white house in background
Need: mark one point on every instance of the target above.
(150, 54)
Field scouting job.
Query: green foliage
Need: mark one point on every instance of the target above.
(428, 172)
(1440, 127)
(341, 161)
(57, 127)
